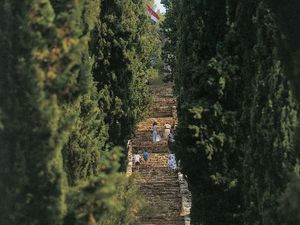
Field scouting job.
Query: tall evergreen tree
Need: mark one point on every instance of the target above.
(288, 19)
(98, 193)
(123, 46)
(271, 119)
(237, 111)
(50, 107)
(39, 76)
(169, 29)
(45, 77)
(207, 84)
(290, 203)
(89, 132)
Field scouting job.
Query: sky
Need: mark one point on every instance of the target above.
(159, 6)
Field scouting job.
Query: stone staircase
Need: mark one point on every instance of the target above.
(163, 189)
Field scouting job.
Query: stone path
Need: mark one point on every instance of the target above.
(166, 192)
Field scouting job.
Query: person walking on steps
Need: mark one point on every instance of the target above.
(137, 160)
(146, 155)
(172, 162)
(167, 130)
(155, 136)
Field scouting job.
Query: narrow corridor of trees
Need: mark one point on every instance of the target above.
(234, 68)
(73, 87)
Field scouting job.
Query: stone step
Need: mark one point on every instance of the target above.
(151, 149)
(154, 192)
(159, 185)
(149, 144)
(177, 222)
(149, 183)
(159, 181)
(146, 125)
(165, 90)
(161, 105)
(156, 160)
(158, 110)
(147, 180)
(156, 166)
(162, 220)
(164, 99)
(157, 174)
(146, 135)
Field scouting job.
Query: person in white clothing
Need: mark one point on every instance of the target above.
(155, 136)
(167, 130)
(137, 160)
(172, 162)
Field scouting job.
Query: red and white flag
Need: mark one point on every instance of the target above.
(154, 16)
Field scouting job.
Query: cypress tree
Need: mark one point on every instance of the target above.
(89, 132)
(169, 27)
(98, 193)
(289, 208)
(32, 135)
(50, 121)
(271, 118)
(288, 19)
(206, 82)
(109, 198)
(9, 175)
(237, 111)
(88, 138)
(123, 46)
(41, 77)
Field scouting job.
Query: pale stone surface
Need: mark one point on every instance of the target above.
(186, 199)
(129, 159)
(165, 191)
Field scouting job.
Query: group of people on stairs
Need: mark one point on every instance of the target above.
(137, 158)
(169, 134)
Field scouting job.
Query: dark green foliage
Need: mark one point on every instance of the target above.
(129, 201)
(51, 127)
(91, 198)
(169, 30)
(123, 45)
(34, 85)
(271, 118)
(237, 111)
(109, 198)
(288, 19)
(89, 132)
(99, 192)
(88, 139)
(290, 203)
(206, 82)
